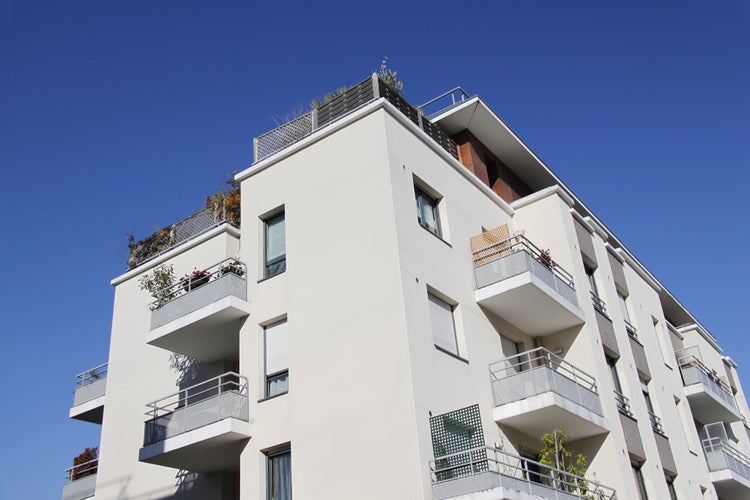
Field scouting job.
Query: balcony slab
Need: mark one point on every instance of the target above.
(80, 488)
(211, 448)
(529, 302)
(706, 406)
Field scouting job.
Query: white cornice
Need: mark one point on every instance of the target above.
(182, 247)
(613, 252)
(703, 333)
(639, 270)
(541, 194)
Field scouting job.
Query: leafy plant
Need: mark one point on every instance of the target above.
(85, 464)
(545, 259)
(156, 283)
(226, 203)
(390, 77)
(555, 454)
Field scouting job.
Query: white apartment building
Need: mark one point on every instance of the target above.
(408, 304)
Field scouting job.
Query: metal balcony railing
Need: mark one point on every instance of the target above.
(197, 279)
(515, 256)
(623, 403)
(695, 372)
(459, 474)
(656, 423)
(224, 396)
(721, 455)
(443, 102)
(93, 375)
(632, 332)
(354, 98)
(538, 371)
(81, 470)
(599, 304)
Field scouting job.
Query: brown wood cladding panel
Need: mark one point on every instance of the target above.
(584, 241)
(607, 332)
(618, 273)
(665, 454)
(633, 440)
(489, 168)
(639, 355)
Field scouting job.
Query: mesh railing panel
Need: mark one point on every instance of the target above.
(283, 136)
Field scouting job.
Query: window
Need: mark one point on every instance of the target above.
(655, 420)
(622, 402)
(639, 482)
(280, 476)
(670, 487)
(443, 324)
(598, 302)
(623, 300)
(277, 363)
(274, 250)
(427, 212)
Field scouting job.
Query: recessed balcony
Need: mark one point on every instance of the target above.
(202, 428)
(729, 468)
(88, 397)
(523, 285)
(200, 316)
(710, 397)
(537, 390)
(80, 481)
(499, 474)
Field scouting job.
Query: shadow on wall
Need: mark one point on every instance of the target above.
(188, 486)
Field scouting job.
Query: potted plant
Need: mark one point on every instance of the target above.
(195, 279)
(232, 267)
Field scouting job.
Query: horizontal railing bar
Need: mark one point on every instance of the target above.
(186, 391)
(691, 360)
(545, 354)
(184, 286)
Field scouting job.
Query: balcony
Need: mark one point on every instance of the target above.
(499, 474)
(80, 481)
(202, 428)
(536, 389)
(202, 221)
(201, 316)
(88, 397)
(524, 286)
(710, 397)
(729, 468)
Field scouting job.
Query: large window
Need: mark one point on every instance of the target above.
(280, 476)
(427, 212)
(277, 362)
(443, 324)
(274, 245)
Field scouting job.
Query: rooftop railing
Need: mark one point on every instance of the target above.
(224, 396)
(90, 376)
(459, 474)
(180, 232)
(538, 371)
(352, 99)
(444, 102)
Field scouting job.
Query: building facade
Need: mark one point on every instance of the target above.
(406, 307)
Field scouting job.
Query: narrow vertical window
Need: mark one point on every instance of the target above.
(599, 304)
(443, 324)
(274, 245)
(655, 420)
(639, 482)
(280, 476)
(277, 362)
(623, 300)
(670, 487)
(623, 404)
(427, 212)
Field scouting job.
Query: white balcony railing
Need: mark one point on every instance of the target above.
(695, 372)
(484, 468)
(720, 455)
(80, 481)
(90, 384)
(202, 404)
(539, 371)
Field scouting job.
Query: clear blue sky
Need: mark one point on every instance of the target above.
(118, 116)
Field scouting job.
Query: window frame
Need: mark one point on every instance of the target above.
(439, 301)
(269, 378)
(421, 194)
(270, 469)
(269, 265)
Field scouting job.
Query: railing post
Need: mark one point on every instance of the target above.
(314, 119)
(375, 86)
(255, 149)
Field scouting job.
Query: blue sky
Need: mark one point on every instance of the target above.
(116, 117)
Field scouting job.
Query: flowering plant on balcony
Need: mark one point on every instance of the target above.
(545, 259)
(195, 279)
(232, 267)
(85, 464)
